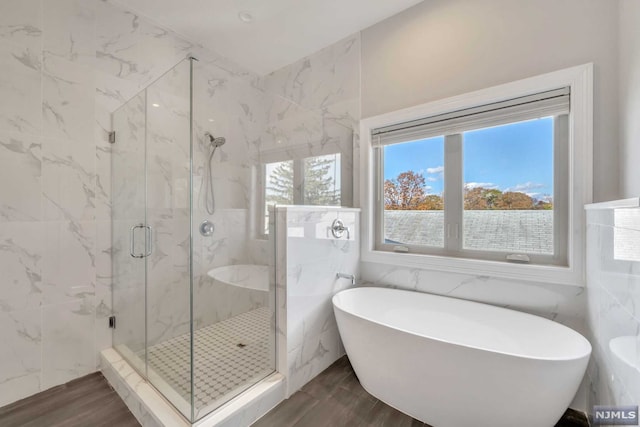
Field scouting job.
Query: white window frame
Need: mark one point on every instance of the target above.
(580, 152)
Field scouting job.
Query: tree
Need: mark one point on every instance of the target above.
(431, 202)
(319, 184)
(280, 187)
(514, 200)
(406, 191)
(480, 198)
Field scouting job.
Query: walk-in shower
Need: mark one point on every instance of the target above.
(198, 342)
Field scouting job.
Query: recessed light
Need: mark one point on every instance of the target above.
(211, 120)
(155, 105)
(245, 16)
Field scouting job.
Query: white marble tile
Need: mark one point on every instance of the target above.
(103, 293)
(133, 48)
(20, 89)
(311, 258)
(69, 29)
(21, 22)
(69, 261)
(68, 91)
(613, 289)
(20, 354)
(146, 404)
(103, 182)
(68, 180)
(21, 253)
(20, 162)
(68, 350)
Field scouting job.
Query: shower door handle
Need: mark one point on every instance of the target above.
(148, 242)
(132, 242)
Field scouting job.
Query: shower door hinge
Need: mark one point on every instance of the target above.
(112, 322)
(112, 137)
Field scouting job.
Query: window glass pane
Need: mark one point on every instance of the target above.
(278, 186)
(508, 188)
(322, 180)
(413, 188)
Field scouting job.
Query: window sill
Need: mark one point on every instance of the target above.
(538, 273)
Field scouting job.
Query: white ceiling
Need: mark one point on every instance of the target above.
(282, 31)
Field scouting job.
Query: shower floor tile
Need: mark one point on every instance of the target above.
(229, 357)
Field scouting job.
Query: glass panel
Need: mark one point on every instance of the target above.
(322, 180)
(128, 211)
(278, 187)
(508, 190)
(233, 329)
(413, 193)
(168, 217)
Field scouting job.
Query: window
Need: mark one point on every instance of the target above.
(483, 187)
(492, 182)
(308, 181)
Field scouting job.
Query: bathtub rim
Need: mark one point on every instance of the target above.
(579, 336)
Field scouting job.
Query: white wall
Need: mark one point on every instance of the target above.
(629, 81)
(441, 48)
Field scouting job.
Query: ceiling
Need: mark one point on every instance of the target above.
(281, 32)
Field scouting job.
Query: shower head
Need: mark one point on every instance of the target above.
(216, 142)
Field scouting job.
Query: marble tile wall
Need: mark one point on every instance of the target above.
(308, 259)
(564, 304)
(66, 66)
(613, 296)
(313, 108)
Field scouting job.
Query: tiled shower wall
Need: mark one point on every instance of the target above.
(312, 108)
(613, 294)
(65, 66)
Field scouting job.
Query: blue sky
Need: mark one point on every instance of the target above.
(515, 157)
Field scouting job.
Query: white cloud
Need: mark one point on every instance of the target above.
(472, 185)
(526, 187)
(437, 169)
(432, 179)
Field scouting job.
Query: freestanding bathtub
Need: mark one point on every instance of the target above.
(457, 363)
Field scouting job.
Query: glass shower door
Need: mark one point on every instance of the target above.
(128, 233)
(151, 237)
(169, 217)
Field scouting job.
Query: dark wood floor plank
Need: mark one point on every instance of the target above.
(335, 398)
(87, 401)
(287, 413)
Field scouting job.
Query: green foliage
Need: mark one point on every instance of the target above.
(319, 184)
(280, 187)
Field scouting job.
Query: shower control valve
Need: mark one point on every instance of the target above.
(338, 229)
(207, 228)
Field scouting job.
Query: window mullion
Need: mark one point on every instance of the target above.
(298, 182)
(453, 194)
